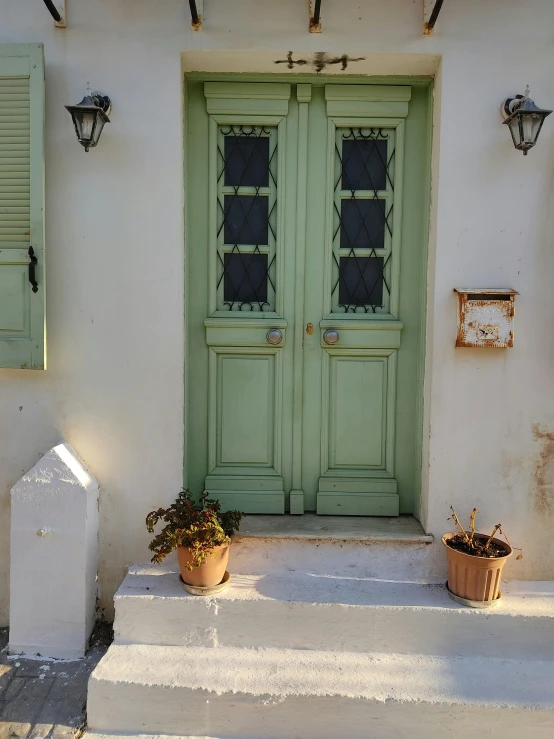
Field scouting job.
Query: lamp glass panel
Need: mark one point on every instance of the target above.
(97, 129)
(529, 126)
(85, 124)
(515, 131)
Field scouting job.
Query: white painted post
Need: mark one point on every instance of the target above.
(54, 557)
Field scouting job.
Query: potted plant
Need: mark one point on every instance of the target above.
(475, 563)
(200, 532)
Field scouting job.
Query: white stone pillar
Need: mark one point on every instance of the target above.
(54, 557)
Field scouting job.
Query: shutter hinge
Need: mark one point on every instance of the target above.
(32, 273)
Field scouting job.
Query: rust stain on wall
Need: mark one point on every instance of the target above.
(544, 471)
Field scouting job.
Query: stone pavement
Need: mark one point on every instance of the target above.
(46, 698)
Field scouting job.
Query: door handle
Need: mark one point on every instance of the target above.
(274, 336)
(32, 272)
(331, 336)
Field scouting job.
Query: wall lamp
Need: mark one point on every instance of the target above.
(524, 119)
(89, 117)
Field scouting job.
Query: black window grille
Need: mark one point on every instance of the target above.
(363, 204)
(247, 218)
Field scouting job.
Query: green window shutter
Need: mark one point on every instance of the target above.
(22, 314)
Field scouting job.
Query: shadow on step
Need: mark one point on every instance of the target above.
(317, 588)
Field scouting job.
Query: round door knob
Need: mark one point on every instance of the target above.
(274, 336)
(331, 336)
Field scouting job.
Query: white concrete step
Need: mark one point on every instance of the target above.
(241, 693)
(333, 613)
(395, 547)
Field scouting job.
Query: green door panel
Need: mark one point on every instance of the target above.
(22, 309)
(356, 421)
(305, 212)
(244, 444)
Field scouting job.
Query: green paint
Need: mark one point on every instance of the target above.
(303, 425)
(22, 312)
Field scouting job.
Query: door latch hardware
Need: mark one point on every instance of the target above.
(32, 272)
(274, 336)
(331, 336)
(309, 329)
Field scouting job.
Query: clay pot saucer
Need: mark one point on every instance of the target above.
(206, 590)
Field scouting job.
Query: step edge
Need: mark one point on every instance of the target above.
(332, 539)
(439, 609)
(388, 697)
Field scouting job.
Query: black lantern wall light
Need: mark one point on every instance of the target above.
(89, 117)
(524, 119)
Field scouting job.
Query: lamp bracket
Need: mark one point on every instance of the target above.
(509, 105)
(102, 101)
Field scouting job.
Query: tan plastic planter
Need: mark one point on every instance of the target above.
(475, 578)
(210, 572)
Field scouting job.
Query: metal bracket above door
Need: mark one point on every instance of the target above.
(431, 10)
(58, 11)
(196, 14)
(315, 16)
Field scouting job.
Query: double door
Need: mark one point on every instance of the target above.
(304, 276)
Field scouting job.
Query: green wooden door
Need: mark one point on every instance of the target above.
(305, 282)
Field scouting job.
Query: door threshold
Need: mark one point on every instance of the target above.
(368, 529)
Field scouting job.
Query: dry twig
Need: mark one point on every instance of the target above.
(458, 524)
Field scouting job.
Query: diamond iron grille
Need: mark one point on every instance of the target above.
(247, 218)
(363, 219)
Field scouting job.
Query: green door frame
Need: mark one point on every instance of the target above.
(425, 85)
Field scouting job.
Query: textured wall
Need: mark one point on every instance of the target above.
(114, 387)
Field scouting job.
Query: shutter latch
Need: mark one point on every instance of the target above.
(32, 274)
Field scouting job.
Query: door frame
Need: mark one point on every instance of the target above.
(426, 83)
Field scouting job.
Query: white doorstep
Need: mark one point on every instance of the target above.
(332, 613)
(284, 694)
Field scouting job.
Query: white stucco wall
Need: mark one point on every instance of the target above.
(114, 386)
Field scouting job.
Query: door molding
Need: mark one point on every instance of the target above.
(422, 234)
(303, 96)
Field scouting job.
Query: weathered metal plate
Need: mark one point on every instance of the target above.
(485, 317)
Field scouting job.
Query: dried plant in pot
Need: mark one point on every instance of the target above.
(475, 562)
(201, 534)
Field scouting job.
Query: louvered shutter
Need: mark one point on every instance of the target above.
(22, 308)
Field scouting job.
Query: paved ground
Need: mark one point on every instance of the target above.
(44, 698)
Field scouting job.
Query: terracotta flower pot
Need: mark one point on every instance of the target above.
(210, 572)
(475, 578)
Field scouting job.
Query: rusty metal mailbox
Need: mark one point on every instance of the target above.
(486, 317)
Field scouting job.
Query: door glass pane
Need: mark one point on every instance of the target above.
(361, 281)
(247, 161)
(247, 218)
(363, 220)
(364, 164)
(362, 224)
(245, 278)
